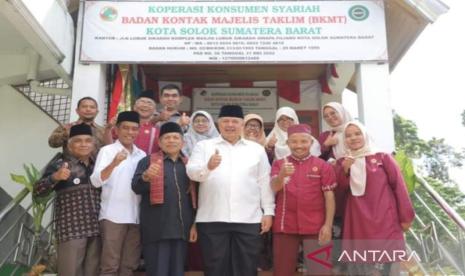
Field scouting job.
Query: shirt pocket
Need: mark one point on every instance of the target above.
(312, 176)
(312, 193)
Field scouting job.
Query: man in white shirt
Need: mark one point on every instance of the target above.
(119, 213)
(236, 203)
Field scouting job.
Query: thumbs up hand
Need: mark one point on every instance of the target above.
(347, 163)
(152, 171)
(287, 169)
(184, 120)
(111, 123)
(272, 142)
(331, 140)
(214, 161)
(164, 116)
(120, 157)
(63, 173)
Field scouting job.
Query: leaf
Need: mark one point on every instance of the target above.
(408, 170)
(35, 172)
(21, 179)
(39, 202)
(44, 199)
(28, 173)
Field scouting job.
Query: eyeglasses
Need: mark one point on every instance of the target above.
(252, 126)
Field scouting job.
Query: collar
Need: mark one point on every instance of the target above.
(176, 113)
(75, 160)
(220, 140)
(135, 149)
(148, 123)
(301, 160)
(180, 156)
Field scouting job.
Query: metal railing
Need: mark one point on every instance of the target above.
(13, 203)
(438, 232)
(57, 107)
(28, 249)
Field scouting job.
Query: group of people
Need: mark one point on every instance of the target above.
(150, 182)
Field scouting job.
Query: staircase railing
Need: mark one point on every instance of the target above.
(28, 249)
(58, 107)
(438, 232)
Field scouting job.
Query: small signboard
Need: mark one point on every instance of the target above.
(261, 101)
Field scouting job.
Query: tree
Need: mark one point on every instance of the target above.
(439, 157)
(436, 157)
(435, 154)
(406, 137)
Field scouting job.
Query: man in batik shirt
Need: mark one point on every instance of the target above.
(77, 204)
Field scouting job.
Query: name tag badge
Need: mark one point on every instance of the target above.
(375, 164)
(314, 173)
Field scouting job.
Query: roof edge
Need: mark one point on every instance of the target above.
(430, 10)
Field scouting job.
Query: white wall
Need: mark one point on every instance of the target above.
(23, 137)
(54, 18)
(89, 80)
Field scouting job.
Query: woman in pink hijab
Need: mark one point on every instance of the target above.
(378, 208)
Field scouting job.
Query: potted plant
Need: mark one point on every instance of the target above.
(39, 206)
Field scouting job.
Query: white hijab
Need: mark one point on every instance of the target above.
(339, 149)
(191, 137)
(281, 149)
(358, 172)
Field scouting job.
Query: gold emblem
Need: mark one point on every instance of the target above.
(315, 169)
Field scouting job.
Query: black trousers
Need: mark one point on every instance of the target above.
(229, 249)
(165, 257)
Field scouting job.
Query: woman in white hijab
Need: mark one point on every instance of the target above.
(332, 141)
(333, 148)
(201, 127)
(378, 208)
(277, 138)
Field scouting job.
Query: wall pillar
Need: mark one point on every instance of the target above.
(374, 103)
(89, 80)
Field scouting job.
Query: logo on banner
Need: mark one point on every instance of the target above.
(322, 260)
(108, 14)
(359, 13)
